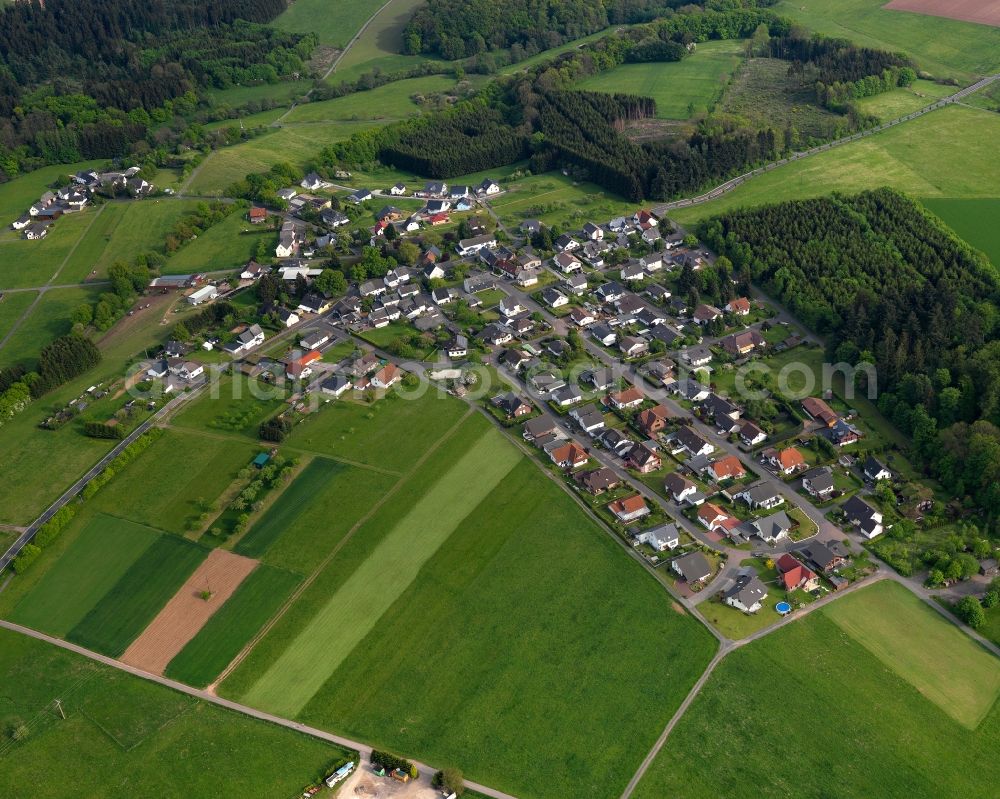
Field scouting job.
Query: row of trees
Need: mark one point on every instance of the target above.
(886, 282)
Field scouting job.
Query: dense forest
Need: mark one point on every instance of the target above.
(89, 80)
(887, 283)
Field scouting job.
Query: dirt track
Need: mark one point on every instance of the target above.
(186, 612)
(985, 13)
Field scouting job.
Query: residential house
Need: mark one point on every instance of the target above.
(681, 489)
(471, 246)
(253, 271)
(820, 411)
(633, 346)
(743, 343)
(760, 495)
(746, 594)
(653, 420)
(740, 306)
(693, 567)
(593, 232)
(660, 538)
(582, 317)
(611, 292)
(358, 196)
(566, 243)
(315, 304)
(603, 334)
(538, 427)
(823, 555)
(398, 190)
(458, 347)
(589, 418)
(704, 314)
(631, 397)
(566, 396)
(643, 459)
(599, 480)
(512, 405)
(867, 519)
(488, 187)
(773, 528)
(696, 356)
(566, 263)
(727, 468)
(36, 231)
(691, 390)
(569, 456)
(818, 482)
(387, 376)
(576, 283)
(313, 181)
(554, 298)
(336, 385)
(300, 368)
(629, 509)
(794, 574)
(287, 318)
(257, 215)
(750, 434)
(661, 372)
(688, 440)
(721, 411)
(875, 471)
(786, 461)
(617, 442)
(632, 272)
(315, 340)
(657, 293)
(246, 340)
(600, 379)
(442, 296)
(510, 307)
(841, 433)
(496, 334)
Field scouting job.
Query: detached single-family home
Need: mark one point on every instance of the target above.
(743, 343)
(740, 306)
(688, 440)
(336, 385)
(589, 418)
(726, 468)
(747, 594)
(643, 459)
(603, 334)
(693, 567)
(760, 495)
(398, 190)
(751, 435)
(823, 555)
(569, 456)
(818, 482)
(387, 376)
(874, 470)
(660, 538)
(359, 196)
(631, 397)
(566, 263)
(628, 509)
(600, 379)
(554, 298)
(593, 232)
(712, 516)
(773, 528)
(538, 427)
(512, 405)
(704, 314)
(598, 481)
(633, 346)
(582, 317)
(653, 420)
(471, 246)
(679, 487)
(867, 519)
(787, 461)
(794, 574)
(820, 411)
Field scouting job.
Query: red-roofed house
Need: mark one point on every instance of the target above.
(727, 468)
(631, 397)
(740, 306)
(569, 456)
(257, 215)
(712, 516)
(440, 219)
(629, 509)
(301, 367)
(653, 420)
(387, 376)
(787, 461)
(795, 574)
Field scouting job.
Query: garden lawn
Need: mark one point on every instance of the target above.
(933, 656)
(810, 711)
(292, 502)
(335, 22)
(336, 507)
(132, 603)
(92, 564)
(123, 736)
(240, 407)
(180, 474)
(946, 153)
(944, 47)
(391, 433)
(232, 626)
(973, 220)
(356, 607)
(515, 653)
(680, 88)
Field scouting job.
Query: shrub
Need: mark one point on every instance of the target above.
(971, 612)
(389, 761)
(28, 556)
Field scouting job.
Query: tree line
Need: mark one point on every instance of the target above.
(888, 283)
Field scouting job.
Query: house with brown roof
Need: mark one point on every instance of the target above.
(726, 468)
(820, 411)
(787, 461)
(643, 459)
(711, 515)
(743, 343)
(631, 397)
(679, 487)
(387, 376)
(569, 456)
(652, 420)
(599, 480)
(751, 434)
(628, 509)
(794, 574)
(704, 314)
(740, 306)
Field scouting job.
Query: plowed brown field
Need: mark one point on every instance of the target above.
(186, 612)
(985, 12)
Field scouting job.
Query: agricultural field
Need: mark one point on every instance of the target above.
(26, 264)
(238, 406)
(973, 220)
(900, 102)
(224, 246)
(391, 433)
(125, 736)
(100, 555)
(556, 199)
(681, 89)
(380, 46)
(12, 308)
(293, 143)
(946, 153)
(132, 603)
(292, 502)
(49, 319)
(426, 586)
(944, 47)
(335, 22)
(239, 96)
(392, 101)
(256, 600)
(827, 715)
(173, 482)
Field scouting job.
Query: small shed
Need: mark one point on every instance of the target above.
(261, 460)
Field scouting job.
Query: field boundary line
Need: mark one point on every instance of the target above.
(364, 750)
(243, 653)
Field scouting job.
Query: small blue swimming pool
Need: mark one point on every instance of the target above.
(783, 608)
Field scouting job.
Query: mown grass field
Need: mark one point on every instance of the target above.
(935, 657)
(392, 101)
(12, 308)
(973, 220)
(810, 711)
(516, 564)
(294, 143)
(391, 433)
(681, 88)
(238, 96)
(49, 319)
(554, 199)
(381, 44)
(334, 21)
(946, 153)
(900, 102)
(358, 605)
(256, 600)
(92, 564)
(171, 483)
(337, 506)
(941, 46)
(26, 264)
(292, 502)
(123, 736)
(239, 405)
(130, 605)
(227, 245)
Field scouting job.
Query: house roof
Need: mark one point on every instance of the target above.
(709, 512)
(693, 566)
(856, 509)
(818, 409)
(748, 590)
(676, 483)
(790, 458)
(727, 467)
(793, 571)
(630, 394)
(739, 305)
(690, 439)
(599, 480)
(627, 505)
(774, 526)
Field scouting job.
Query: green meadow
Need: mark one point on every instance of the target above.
(973, 220)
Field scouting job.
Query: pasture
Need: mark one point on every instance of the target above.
(556, 199)
(681, 88)
(392, 101)
(238, 405)
(973, 220)
(256, 600)
(292, 502)
(933, 656)
(181, 475)
(390, 433)
(49, 319)
(99, 555)
(135, 599)
(335, 22)
(810, 711)
(381, 44)
(946, 153)
(224, 246)
(457, 569)
(26, 264)
(123, 736)
(943, 47)
(12, 308)
(900, 102)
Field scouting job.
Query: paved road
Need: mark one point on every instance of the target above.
(364, 749)
(731, 184)
(96, 469)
